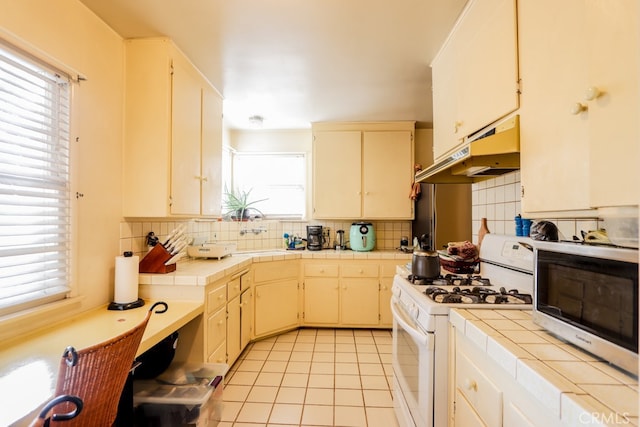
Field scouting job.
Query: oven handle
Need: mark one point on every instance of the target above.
(399, 315)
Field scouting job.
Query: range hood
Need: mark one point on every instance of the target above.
(491, 152)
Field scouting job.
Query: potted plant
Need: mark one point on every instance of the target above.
(236, 203)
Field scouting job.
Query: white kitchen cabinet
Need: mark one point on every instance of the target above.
(321, 294)
(234, 326)
(276, 307)
(578, 154)
(172, 134)
(475, 74)
(359, 295)
(362, 170)
(276, 297)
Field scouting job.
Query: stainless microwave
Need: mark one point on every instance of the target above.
(588, 296)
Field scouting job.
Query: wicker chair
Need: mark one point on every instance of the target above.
(96, 375)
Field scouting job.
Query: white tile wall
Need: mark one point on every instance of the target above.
(256, 235)
(498, 200)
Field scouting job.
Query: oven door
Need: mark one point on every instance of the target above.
(413, 362)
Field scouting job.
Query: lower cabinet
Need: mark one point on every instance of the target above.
(486, 395)
(233, 330)
(276, 307)
(276, 296)
(348, 293)
(246, 317)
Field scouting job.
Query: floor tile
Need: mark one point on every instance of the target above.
(319, 396)
(317, 415)
(348, 397)
(284, 413)
(352, 416)
(262, 394)
(312, 377)
(254, 412)
(292, 395)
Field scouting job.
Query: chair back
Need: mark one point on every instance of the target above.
(97, 375)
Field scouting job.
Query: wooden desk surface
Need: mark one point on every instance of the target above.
(28, 368)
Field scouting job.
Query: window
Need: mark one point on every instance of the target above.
(277, 177)
(34, 183)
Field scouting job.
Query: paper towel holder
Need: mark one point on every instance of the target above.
(128, 305)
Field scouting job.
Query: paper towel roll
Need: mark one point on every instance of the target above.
(126, 280)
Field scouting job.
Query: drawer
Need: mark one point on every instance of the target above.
(216, 329)
(219, 355)
(216, 298)
(233, 288)
(360, 270)
(321, 270)
(481, 393)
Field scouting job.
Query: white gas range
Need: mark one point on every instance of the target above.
(420, 322)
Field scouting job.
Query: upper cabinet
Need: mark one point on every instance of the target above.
(362, 170)
(579, 132)
(173, 134)
(475, 74)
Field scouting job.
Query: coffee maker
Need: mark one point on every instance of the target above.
(315, 240)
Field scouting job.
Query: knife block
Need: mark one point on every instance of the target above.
(153, 261)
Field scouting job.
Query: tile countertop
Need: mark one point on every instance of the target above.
(201, 272)
(563, 378)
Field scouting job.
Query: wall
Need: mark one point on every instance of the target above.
(67, 34)
(498, 200)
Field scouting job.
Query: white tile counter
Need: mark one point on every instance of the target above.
(201, 272)
(575, 386)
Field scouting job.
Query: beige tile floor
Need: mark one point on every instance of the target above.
(312, 377)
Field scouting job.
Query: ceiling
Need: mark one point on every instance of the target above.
(294, 62)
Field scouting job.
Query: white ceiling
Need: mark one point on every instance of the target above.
(299, 61)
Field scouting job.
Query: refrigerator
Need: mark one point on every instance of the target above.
(442, 214)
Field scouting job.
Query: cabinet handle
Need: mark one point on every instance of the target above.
(592, 93)
(470, 385)
(456, 126)
(578, 108)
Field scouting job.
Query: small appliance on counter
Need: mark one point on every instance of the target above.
(216, 250)
(340, 243)
(315, 239)
(362, 236)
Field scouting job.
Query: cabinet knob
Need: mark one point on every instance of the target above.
(592, 93)
(220, 322)
(470, 384)
(456, 126)
(578, 108)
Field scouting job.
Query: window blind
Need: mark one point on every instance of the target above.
(34, 183)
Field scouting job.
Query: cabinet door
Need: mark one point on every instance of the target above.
(554, 143)
(185, 145)
(359, 302)
(216, 330)
(446, 127)
(211, 173)
(337, 174)
(464, 415)
(487, 64)
(614, 134)
(246, 317)
(386, 318)
(276, 307)
(321, 301)
(233, 330)
(388, 174)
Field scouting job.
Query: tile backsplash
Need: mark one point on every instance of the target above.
(498, 200)
(252, 235)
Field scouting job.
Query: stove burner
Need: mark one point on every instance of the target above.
(477, 295)
(450, 280)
